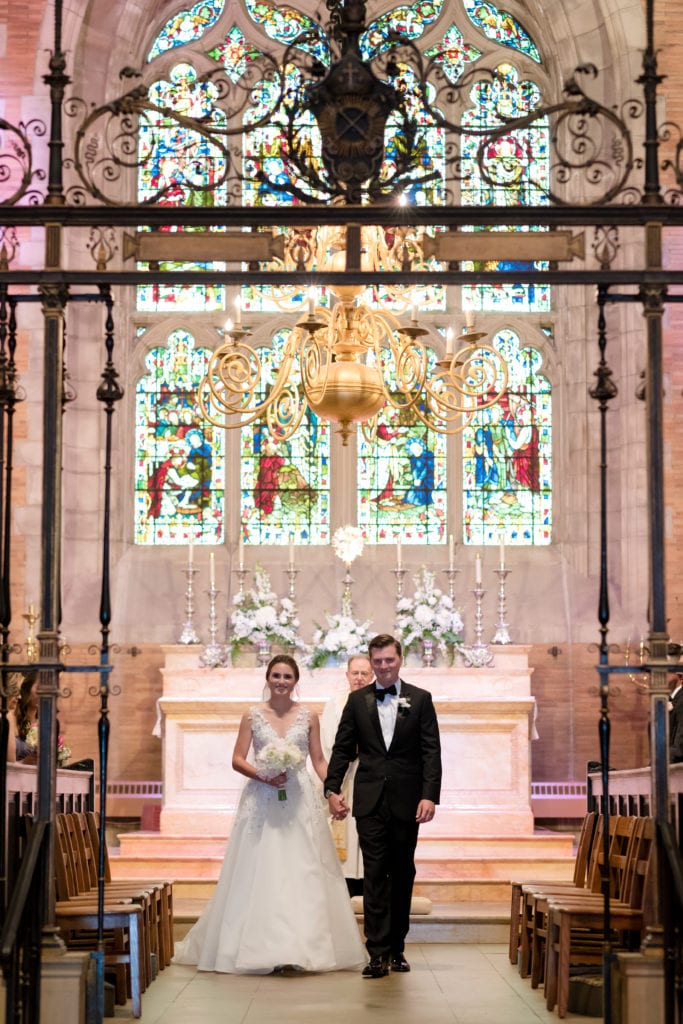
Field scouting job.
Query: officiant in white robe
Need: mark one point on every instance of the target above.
(358, 673)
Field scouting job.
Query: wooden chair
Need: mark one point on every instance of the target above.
(163, 890)
(575, 927)
(85, 867)
(579, 878)
(620, 847)
(129, 958)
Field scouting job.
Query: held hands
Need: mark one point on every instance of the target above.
(425, 811)
(338, 806)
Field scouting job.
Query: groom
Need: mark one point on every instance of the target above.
(391, 727)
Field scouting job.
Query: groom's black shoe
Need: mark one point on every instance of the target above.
(399, 963)
(378, 967)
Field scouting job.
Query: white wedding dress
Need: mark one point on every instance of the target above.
(281, 898)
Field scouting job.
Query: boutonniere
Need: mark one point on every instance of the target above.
(403, 705)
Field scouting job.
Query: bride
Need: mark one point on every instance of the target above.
(281, 898)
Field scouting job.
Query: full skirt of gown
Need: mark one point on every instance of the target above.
(281, 898)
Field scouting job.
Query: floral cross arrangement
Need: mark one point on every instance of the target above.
(258, 616)
(428, 615)
(275, 758)
(348, 542)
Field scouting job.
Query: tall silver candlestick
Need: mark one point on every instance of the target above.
(292, 574)
(189, 634)
(241, 574)
(502, 635)
(452, 573)
(400, 576)
(477, 655)
(214, 655)
(347, 607)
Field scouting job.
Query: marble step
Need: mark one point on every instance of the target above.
(538, 844)
(484, 921)
(460, 869)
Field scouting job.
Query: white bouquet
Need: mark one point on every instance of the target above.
(429, 615)
(275, 758)
(342, 638)
(258, 616)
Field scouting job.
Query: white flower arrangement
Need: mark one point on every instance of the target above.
(275, 758)
(259, 616)
(348, 542)
(428, 615)
(342, 638)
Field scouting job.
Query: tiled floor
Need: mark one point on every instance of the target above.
(449, 984)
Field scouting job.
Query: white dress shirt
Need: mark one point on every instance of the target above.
(387, 710)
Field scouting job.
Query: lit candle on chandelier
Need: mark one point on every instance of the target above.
(238, 311)
(449, 341)
(212, 571)
(312, 296)
(413, 307)
(477, 570)
(469, 318)
(451, 552)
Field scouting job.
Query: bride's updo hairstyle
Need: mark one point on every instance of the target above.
(285, 660)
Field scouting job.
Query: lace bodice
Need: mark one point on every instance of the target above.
(264, 733)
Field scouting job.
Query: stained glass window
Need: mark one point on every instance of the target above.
(186, 26)
(187, 169)
(285, 484)
(507, 456)
(179, 460)
(453, 54)
(410, 20)
(501, 27)
(402, 481)
(285, 24)
(516, 171)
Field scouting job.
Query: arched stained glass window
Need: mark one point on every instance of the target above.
(285, 485)
(179, 460)
(516, 170)
(187, 26)
(402, 481)
(501, 27)
(187, 170)
(507, 456)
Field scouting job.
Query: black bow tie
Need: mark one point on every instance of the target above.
(380, 693)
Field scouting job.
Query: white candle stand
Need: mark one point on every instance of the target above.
(189, 634)
(292, 574)
(502, 635)
(214, 655)
(477, 655)
(452, 574)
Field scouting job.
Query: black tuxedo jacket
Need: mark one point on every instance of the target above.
(409, 771)
(676, 728)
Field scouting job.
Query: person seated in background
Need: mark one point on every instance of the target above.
(358, 674)
(676, 722)
(26, 719)
(12, 696)
(26, 715)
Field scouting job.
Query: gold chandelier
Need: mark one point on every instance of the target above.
(342, 356)
(348, 362)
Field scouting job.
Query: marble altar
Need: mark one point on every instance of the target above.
(485, 714)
